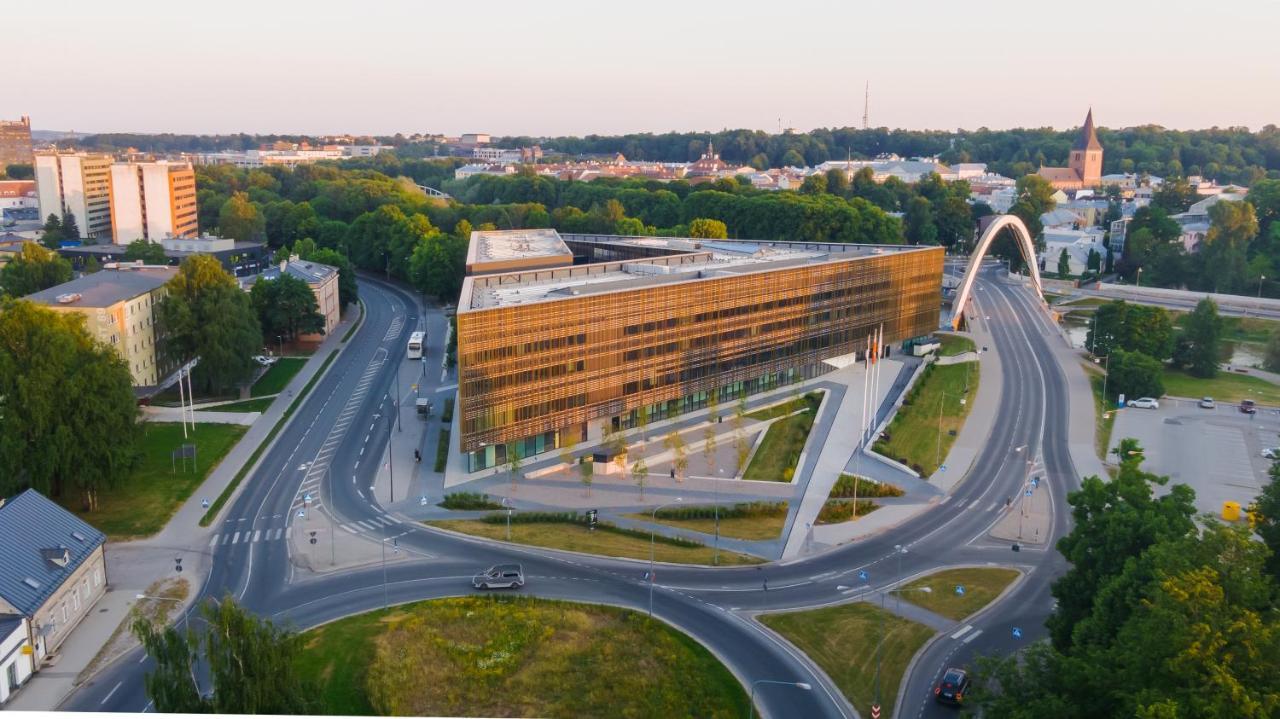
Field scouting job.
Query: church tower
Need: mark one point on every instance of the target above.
(1086, 154)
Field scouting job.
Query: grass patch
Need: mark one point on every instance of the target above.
(468, 500)
(576, 537)
(981, 586)
(515, 656)
(843, 640)
(835, 511)
(249, 405)
(914, 431)
(216, 507)
(953, 345)
(442, 449)
(781, 409)
(747, 520)
(844, 488)
(142, 505)
(1226, 387)
(277, 376)
(775, 460)
(446, 414)
(1105, 421)
(1087, 302)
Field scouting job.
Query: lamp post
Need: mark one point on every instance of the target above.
(1139, 276)
(899, 550)
(1106, 372)
(506, 502)
(715, 556)
(1260, 279)
(798, 685)
(652, 543)
(279, 345)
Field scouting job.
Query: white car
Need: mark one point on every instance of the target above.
(1144, 403)
(1271, 453)
(265, 360)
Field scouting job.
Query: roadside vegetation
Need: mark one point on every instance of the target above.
(913, 435)
(569, 531)
(249, 405)
(468, 501)
(514, 656)
(981, 586)
(843, 640)
(1225, 387)
(953, 345)
(775, 460)
(442, 450)
(745, 520)
(839, 506)
(277, 376)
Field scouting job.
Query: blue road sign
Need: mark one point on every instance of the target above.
(204, 504)
(1028, 493)
(307, 498)
(1035, 481)
(302, 513)
(960, 590)
(422, 502)
(862, 575)
(942, 468)
(1017, 633)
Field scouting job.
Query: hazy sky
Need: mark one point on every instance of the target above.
(547, 68)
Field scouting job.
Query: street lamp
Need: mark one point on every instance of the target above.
(651, 548)
(506, 502)
(1139, 277)
(899, 550)
(280, 345)
(1260, 279)
(1106, 372)
(395, 549)
(798, 685)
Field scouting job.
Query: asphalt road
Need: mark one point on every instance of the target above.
(339, 427)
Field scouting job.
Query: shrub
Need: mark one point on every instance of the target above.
(835, 511)
(708, 511)
(575, 518)
(446, 414)
(468, 500)
(442, 449)
(788, 474)
(866, 488)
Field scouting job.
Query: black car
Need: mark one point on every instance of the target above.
(954, 686)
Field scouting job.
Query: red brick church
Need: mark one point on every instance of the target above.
(1084, 168)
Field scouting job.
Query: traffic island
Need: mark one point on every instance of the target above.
(931, 417)
(514, 656)
(744, 520)
(958, 593)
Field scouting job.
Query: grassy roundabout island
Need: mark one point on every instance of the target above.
(515, 656)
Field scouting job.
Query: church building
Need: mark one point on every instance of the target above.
(1084, 167)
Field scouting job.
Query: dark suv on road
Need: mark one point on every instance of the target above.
(1247, 406)
(954, 686)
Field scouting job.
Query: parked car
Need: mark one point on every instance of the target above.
(1144, 403)
(1207, 403)
(954, 686)
(265, 360)
(501, 576)
(1248, 407)
(1271, 452)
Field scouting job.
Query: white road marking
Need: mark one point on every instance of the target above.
(971, 637)
(963, 631)
(256, 534)
(110, 693)
(236, 538)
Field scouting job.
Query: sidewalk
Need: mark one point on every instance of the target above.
(134, 566)
(174, 414)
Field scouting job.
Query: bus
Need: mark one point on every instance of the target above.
(416, 340)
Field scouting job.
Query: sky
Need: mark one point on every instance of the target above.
(556, 68)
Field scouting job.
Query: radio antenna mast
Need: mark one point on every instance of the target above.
(866, 105)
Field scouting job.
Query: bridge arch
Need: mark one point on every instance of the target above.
(1023, 238)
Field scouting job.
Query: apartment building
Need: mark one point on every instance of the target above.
(15, 141)
(577, 334)
(323, 281)
(78, 184)
(118, 304)
(152, 200)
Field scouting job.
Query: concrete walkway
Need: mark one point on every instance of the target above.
(174, 414)
(134, 566)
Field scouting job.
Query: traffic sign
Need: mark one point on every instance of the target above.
(1035, 481)
(313, 536)
(204, 504)
(960, 590)
(862, 575)
(422, 502)
(942, 468)
(875, 711)
(1028, 493)
(1017, 633)
(307, 498)
(302, 513)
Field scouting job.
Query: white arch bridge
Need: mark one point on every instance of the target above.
(1024, 241)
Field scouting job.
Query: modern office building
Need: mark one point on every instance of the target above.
(241, 259)
(78, 184)
(573, 335)
(15, 141)
(152, 200)
(118, 304)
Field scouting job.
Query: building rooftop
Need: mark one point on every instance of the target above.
(43, 545)
(654, 261)
(9, 623)
(516, 247)
(105, 288)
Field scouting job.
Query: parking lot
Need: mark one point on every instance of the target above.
(1218, 452)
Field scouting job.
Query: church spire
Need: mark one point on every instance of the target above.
(1088, 139)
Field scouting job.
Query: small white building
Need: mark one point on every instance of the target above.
(1077, 243)
(17, 661)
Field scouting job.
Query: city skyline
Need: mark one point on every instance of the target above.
(396, 67)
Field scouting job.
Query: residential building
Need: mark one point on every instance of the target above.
(362, 150)
(118, 304)
(1077, 243)
(473, 169)
(78, 184)
(52, 571)
(152, 200)
(241, 259)
(474, 138)
(15, 141)
(323, 281)
(18, 194)
(659, 324)
(1119, 233)
(269, 158)
(17, 655)
(526, 155)
(1084, 164)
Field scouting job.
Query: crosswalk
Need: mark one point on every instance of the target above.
(248, 536)
(375, 524)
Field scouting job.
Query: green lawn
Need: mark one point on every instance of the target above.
(783, 408)
(955, 345)
(277, 376)
(510, 655)
(577, 538)
(843, 640)
(1105, 418)
(776, 458)
(914, 430)
(249, 405)
(981, 585)
(763, 525)
(143, 505)
(1226, 387)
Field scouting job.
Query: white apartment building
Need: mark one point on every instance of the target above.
(152, 200)
(78, 184)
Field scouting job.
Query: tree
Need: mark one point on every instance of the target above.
(51, 235)
(240, 219)
(70, 231)
(586, 469)
(149, 252)
(1064, 263)
(205, 314)
(814, 185)
(674, 441)
(252, 664)
(640, 472)
(286, 306)
(33, 269)
(1094, 262)
(514, 463)
(1201, 340)
(348, 289)
(1232, 227)
(437, 266)
(1174, 195)
(68, 415)
(708, 229)
(1266, 513)
(741, 447)
(918, 222)
(1034, 198)
(1135, 374)
(838, 182)
(568, 440)
(1271, 362)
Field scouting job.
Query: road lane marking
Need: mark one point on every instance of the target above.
(110, 693)
(214, 541)
(256, 534)
(236, 538)
(963, 631)
(971, 637)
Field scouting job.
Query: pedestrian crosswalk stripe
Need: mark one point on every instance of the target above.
(214, 541)
(235, 538)
(257, 532)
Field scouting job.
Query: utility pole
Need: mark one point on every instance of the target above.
(866, 106)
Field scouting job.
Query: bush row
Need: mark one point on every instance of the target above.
(866, 488)
(835, 511)
(469, 500)
(575, 518)
(708, 511)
